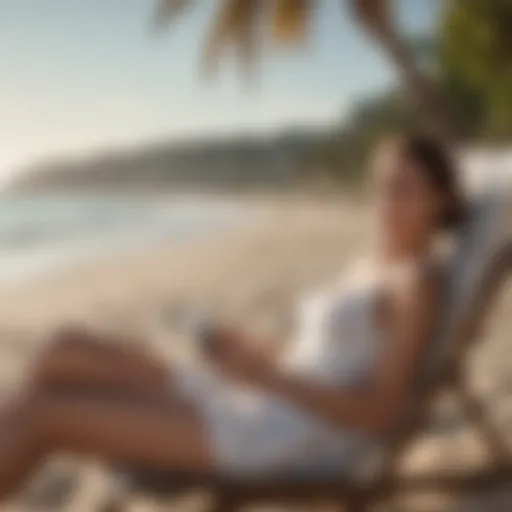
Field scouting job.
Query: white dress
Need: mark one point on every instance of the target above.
(256, 433)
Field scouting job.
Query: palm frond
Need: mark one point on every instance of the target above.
(249, 32)
(236, 25)
(291, 20)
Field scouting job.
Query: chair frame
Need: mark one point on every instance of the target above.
(386, 483)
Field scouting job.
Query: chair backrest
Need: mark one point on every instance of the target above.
(479, 249)
(472, 273)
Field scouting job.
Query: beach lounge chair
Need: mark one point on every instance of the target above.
(481, 264)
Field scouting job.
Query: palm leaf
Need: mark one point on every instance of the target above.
(291, 20)
(248, 34)
(236, 25)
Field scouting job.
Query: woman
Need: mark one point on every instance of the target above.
(341, 383)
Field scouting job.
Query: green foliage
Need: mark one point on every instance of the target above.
(475, 60)
(470, 60)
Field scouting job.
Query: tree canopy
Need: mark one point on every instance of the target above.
(475, 39)
(468, 65)
(243, 25)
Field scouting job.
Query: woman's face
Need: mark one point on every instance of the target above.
(408, 205)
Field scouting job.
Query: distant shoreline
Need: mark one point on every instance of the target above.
(216, 267)
(44, 235)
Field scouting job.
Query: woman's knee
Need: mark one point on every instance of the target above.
(62, 344)
(70, 337)
(67, 340)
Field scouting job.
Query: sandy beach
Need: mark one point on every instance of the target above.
(252, 274)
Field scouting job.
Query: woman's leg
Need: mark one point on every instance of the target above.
(81, 359)
(151, 434)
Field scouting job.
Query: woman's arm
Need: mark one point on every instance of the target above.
(411, 319)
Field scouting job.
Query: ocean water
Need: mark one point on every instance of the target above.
(44, 234)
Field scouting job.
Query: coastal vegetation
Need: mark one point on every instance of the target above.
(456, 81)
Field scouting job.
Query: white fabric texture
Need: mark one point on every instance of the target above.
(487, 227)
(257, 434)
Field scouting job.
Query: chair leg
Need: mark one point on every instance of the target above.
(475, 412)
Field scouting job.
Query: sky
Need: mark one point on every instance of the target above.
(84, 75)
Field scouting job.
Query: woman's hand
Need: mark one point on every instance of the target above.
(236, 357)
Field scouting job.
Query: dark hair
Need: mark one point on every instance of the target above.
(438, 165)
